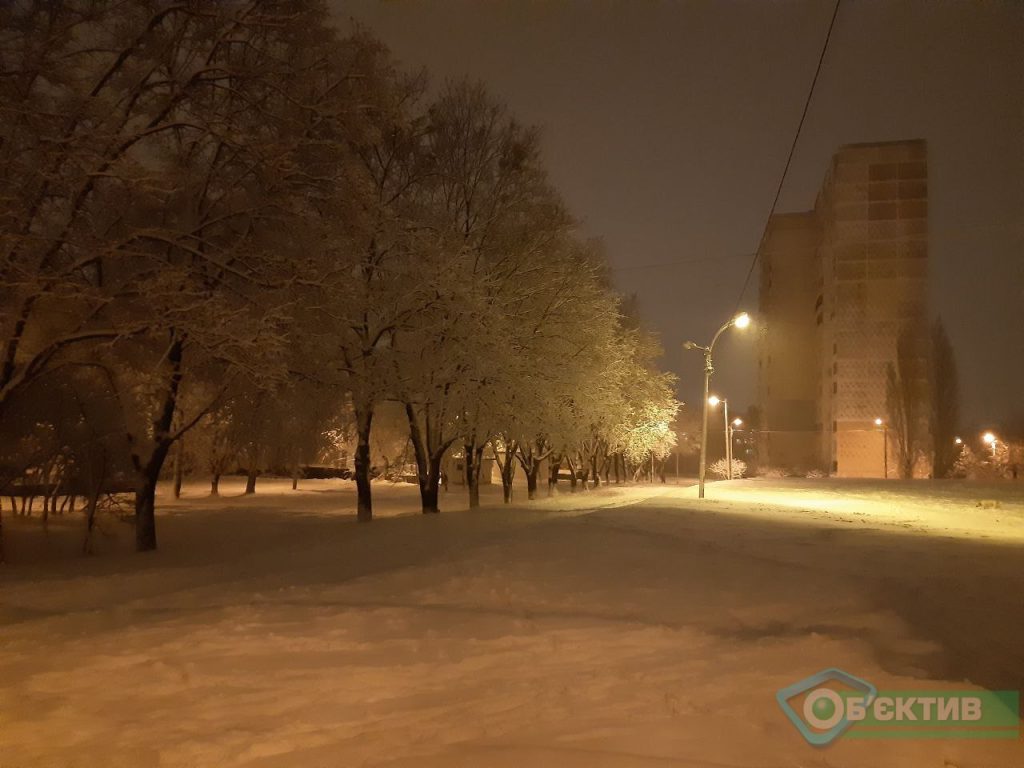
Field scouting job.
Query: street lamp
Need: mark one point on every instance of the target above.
(713, 401)
(990, 439)
(885, 445)
(741, 320)
(732, 436)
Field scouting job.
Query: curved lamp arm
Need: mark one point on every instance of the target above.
(742, 320)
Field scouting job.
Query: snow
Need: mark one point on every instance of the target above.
(623, 627)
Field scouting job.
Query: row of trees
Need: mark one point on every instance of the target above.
(226, 223)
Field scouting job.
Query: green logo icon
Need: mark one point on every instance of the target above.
(832, 703)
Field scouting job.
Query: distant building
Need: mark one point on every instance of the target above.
(838, 286)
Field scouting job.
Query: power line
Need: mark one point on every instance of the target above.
(677, 263)
(792, 150)
(947, 234)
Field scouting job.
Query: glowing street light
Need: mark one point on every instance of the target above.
(732, 436)
(713, 401)
(990, 439)
(957, 441)
(741, 321)
(885, 445)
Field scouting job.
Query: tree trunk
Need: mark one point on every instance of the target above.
(364, 501)
(573, 481)
(474, 457)
(553, 470)
(531, 480)
(250, 480)
(429, 489)
(295, 477)
(90, 519)
(594, 471)
(148, 473)
(428, 497)
(508, 472)
(472, 479)
(179, 468)
(145, 505)
(215, 484)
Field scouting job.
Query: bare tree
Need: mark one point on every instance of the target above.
(907, 401)
(945, 400)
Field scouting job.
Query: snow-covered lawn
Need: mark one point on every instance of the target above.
(624, 627)
(993, 510)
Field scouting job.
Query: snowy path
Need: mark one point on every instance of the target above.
(645, 633)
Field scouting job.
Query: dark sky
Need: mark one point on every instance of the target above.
(666, 127)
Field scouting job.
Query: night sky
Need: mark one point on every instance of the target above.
(666, 126)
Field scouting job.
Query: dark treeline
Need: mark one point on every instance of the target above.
(230, 236)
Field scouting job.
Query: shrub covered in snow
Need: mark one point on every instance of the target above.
(720, 468)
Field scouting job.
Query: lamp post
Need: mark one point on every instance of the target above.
(990, 439)
(714, 402)
(885, 445)
(741, 320)
(732, 434)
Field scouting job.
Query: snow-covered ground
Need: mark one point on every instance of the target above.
(626, 627)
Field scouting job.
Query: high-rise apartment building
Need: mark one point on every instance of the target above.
(839, 284)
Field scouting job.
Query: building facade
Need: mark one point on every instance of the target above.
(839, 285)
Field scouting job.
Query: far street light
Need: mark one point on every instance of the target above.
(713, 401)
(741, 320)
(958, 441)
(885, 445)
(732, 437)
(990, 439)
